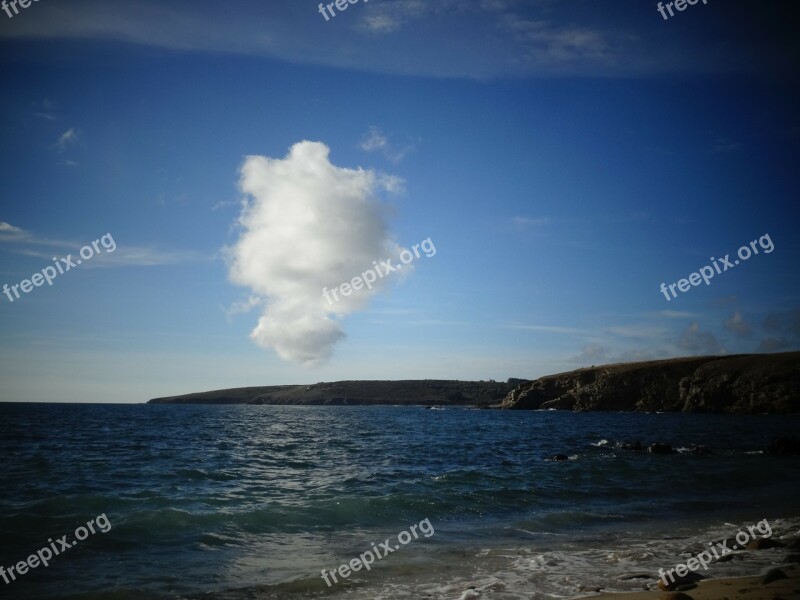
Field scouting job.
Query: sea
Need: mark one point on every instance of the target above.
(255, 502)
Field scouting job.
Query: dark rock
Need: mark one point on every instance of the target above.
(686, 582)
(784, 446)
(726, 557)
(763, 544)
(557, 457)
(636, 446)
(659, 448)
(771, 575)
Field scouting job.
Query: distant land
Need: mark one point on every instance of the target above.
(743, 383)
(345, 393)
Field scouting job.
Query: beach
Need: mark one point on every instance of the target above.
(738, 588)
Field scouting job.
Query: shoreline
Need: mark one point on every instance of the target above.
(753, 587)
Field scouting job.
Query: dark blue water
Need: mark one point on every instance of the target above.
(253, 501)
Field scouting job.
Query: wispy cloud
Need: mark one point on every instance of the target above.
(549, 44)
(376, 141)
(381, 23)
(241, 307)
(636, 331)
(67, 139)
(597, 354)
(390, 16)
(697, 341)
(9, 228)
(529, 223)
(420, 37)
(738, 325)
(548, 329)
(17, 240)
(677, 314)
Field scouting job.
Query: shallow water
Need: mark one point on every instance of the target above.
(253, 501)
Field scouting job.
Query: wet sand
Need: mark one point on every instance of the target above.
(737, 588)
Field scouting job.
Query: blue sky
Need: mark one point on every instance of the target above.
(565, 158)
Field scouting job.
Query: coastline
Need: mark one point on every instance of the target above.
(724, 588)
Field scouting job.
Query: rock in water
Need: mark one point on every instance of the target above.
(784, 446)
(635, 446)
(557, 457)
(659, 448)
(763, 544)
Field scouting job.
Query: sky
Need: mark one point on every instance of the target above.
(553, 161)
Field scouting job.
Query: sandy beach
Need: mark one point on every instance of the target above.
(733, 588)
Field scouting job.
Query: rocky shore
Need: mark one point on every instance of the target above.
(745, 383)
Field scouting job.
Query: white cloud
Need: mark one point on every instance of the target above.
(307, 225)
(375, 141)
(69, 137)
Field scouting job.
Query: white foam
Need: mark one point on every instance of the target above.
(622, 561)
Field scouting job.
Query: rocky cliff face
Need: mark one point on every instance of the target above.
(747, 383)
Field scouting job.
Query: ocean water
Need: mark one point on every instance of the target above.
(235, 502)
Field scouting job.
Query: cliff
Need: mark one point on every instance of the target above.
(745, 383)
(427, 391)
